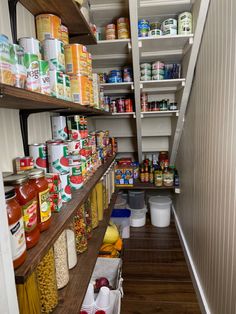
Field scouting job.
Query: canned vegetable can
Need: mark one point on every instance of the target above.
(39, 154)
(76, 178)
(32, 69)
(67, 88)
(31, 45)
(44, 77)
(6, 73)
(48, 26)
(59, 128)
(56, 84)
(58, 157)
(53, 51)
(185, 23)
(66, 194)
(76, 59)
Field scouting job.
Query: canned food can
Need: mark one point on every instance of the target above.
(20, 75)
(6, 74)
(66, 193)
(89, 65)
(64, 35)
(31, 45)
(76, 178)
(146, 72)
(155, 25)
(110, 32)
(59, 128)
(32, 69)
(80, 91)
(145, 78)
(113, 108)
(48, 26)
(17, 64)
(76, 59)
(143, 28)
(158, 72)
(155, 32)
(158, 65)
(53, 51)
(58, 157)
(55, 202)
(75, 127)
(120, 105)
(44, 77)
(145, 66)
(54, 182)
(56, 84)
(24, 163)
(127, 75)
(74, 147)
(169, 27)
(128, 105)
(185, 23)
(67, 89)
(39, 154)
(158, 77)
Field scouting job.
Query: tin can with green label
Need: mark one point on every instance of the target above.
(67, 90)
(53, 50)
(57, 84)
(44, 77)
(185, 23)
(31, 63)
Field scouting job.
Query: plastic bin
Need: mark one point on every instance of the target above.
(138, 217)
(120, 203)
(121, 217)
(136, 199)
(160, 210)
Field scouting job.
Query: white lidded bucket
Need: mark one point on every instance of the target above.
(160, 210)
(138, 217)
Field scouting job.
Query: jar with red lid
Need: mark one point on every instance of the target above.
(16, 227)
(39, 182)
(26, 195)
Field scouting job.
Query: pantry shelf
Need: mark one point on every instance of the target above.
(118, 88)
(71, 297)
(146, 186)
(70, 14)
(154, 86)
(59, 222)
(153, 114)
(17, 98)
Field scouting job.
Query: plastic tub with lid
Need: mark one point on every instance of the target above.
(120, 203)
(160, 207)
(136, 199)
(121, 217)
(138, 217)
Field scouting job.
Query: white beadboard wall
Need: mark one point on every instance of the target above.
(39, 124)
(206, 161)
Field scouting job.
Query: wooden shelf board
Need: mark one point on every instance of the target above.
(70, 14)
(59, 222)
(18, 98)
(71, 297)
(145, 186)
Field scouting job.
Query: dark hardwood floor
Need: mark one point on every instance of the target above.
(156, 276)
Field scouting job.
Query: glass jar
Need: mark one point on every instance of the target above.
(71, 247)
(88, 218)
(94, 208)
(37, 179)
(168, 177)
(61, 264)
(80, 231)
(16, 227)
(100, 199)
(47, 283)
(158, 177)
(26, 195)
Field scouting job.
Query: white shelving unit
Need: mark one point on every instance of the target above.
(154, 114)
(118, 88)
(159, 86)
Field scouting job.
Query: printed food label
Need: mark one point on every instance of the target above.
(17, 238)
(30, 215)
(44, 205)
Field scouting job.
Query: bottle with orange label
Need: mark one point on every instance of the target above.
(38, 181)
(26, 196)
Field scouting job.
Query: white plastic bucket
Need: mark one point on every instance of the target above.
(160, 210)
(138, 217)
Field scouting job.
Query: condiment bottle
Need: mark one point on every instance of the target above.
(151, 175)
(16, 227)
(146, 174)
(38, 181)
(26, 195)
(142, 175)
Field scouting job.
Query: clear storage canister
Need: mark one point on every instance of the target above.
(47, 283)
(88, 218)
(61, 264)
(100, 199)
(94, 208)
(71, 247)
(80, 231)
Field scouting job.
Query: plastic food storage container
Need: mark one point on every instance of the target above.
(47, 283)
(88, 218)
(71, 248)
(94, 208)
(61, 264)
(136, 199)
(121, 217)
(160, 207)
(80, 231)
(120, 203)
(138, 217)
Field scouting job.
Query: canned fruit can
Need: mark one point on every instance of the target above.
(123, 33)
(185, 23)
(44, 77)
(48, 26)
(64, 35)
(39, 154)
(146, 72)
(143, 28)
(32, 69)
(53, 51)
(76, 178)
(24, 164)
(76, 59)
(59, 128)
(56, 84)
(31, 45)
(58, 157)
(66, 194)
(145, 66)
(155, 33)
(67, 89)
(80, 91)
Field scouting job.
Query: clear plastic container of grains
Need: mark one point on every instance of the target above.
(61, 263)
(80, 231)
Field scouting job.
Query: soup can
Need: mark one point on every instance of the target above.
(58, 157)
(48, 26)
(59, 128)
(64, 35)
(66, 194)
(185, 23)
(39, 154)
(31, 45)
(76, 59)
(31, 63)
(53, 51)
(44, 77)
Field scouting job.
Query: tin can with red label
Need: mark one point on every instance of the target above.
(128, 105)
(66, 194)
(120, 105)
(54, 182)
(24, 163)
(58, 157)
(76, 178)
(74, 147)
(39, 154)
(55, 202)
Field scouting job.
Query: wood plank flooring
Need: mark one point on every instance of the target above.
(156, 276)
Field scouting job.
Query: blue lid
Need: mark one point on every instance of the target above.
(121, 213)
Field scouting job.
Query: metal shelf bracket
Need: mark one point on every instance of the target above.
(12, 13)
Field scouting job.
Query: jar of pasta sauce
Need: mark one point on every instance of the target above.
(37, 179)
(26, 195)
(16, 227)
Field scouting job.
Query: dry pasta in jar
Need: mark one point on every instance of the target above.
(80, 230)
(47, 284)
(61, 264)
